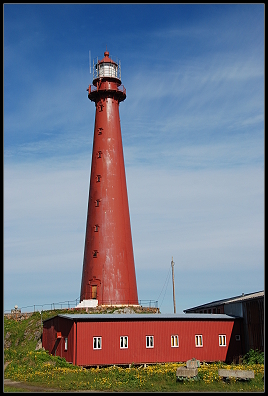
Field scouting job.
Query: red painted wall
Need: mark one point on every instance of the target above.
(162, 351)
(54, 345)
(110, 331)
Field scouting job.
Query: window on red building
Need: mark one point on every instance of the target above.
(222, 340)
(174, 341)
(123, 342)
(198, 340)
(149, 341)
(96, 342)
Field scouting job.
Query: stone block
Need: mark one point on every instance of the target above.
(186, 372)
(245, 374)
(193, 363)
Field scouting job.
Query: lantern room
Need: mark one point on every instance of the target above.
(106, 68)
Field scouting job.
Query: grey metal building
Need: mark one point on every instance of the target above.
(249, 307)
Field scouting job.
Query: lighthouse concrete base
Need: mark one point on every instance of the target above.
(88, 304)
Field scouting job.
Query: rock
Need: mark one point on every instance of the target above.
(124, 310)
(39, 346)
(7, 342)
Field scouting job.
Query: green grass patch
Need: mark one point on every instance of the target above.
(13, 389)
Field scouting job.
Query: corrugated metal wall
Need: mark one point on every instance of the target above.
(253, 311)
(56, 346)
(162, 351)
(81, 351)
(49, 336)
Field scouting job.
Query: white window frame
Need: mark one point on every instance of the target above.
(66, 343)
(150, 341)
(123, 342)
(98, 342)
(174, 341)
(199, 340)
(222, 340)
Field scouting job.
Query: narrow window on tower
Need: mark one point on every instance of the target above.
(98, 177)
(97, 202)
(100, 131)
(99, 154)
(101, 107)
(95, 253)
(96, 228)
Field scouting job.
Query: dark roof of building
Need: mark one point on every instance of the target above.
(242, 297)
(122, 317)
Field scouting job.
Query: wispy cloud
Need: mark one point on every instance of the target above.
(205, 98)
(201, 217)
(51, 106)
(211, 222)
(227, 153)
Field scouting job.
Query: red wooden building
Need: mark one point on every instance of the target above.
(106, 339)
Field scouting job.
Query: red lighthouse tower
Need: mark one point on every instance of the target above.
(108, 276)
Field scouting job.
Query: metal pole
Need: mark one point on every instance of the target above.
(173, 282)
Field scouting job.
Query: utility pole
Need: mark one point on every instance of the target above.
(173, 282)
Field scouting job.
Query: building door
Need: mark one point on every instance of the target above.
(94, 292)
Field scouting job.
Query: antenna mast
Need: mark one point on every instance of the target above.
(89, 62)
(173, 282)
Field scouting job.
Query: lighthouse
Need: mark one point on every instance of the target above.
(108, 276)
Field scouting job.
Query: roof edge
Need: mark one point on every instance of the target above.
(227, 300)
(145, 317)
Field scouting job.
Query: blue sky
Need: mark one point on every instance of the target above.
(193, 136)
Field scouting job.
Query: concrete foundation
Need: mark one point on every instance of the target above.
(245, 374)
(88, 304)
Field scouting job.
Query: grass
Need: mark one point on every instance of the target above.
(13, 389)
(40, 368)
